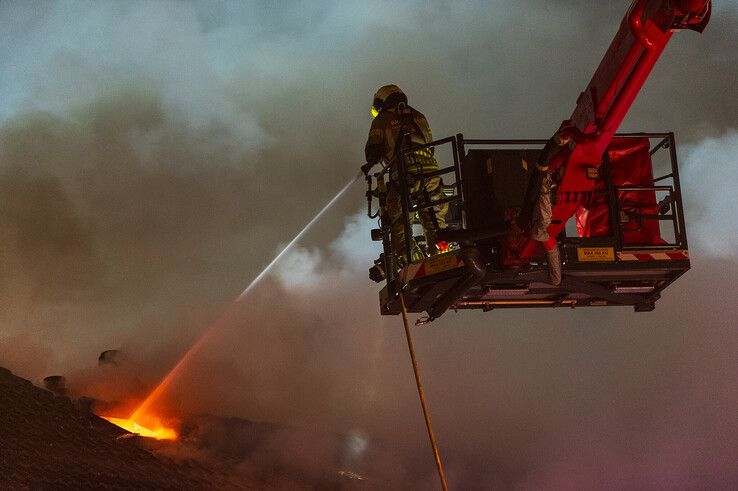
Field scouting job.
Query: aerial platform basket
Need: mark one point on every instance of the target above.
(624, 244)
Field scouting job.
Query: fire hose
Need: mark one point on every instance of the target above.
(426, 414)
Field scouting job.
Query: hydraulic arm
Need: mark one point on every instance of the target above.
(582, 139)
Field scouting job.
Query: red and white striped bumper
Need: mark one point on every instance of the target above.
(678, 255)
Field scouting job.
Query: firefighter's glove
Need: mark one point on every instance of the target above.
(366, 168)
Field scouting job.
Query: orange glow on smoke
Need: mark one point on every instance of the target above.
(230, 313)
(154, 430)
(145, 406)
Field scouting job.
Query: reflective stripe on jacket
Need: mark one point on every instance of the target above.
(385, 132)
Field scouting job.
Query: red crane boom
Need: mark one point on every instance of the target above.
(602, 106)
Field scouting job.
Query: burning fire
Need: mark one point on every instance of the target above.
(154, 428)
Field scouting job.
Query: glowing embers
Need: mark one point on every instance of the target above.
(154, 428)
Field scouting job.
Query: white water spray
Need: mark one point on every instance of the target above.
(297, 237)
(219, 322)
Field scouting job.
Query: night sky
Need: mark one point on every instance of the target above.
(154, 156)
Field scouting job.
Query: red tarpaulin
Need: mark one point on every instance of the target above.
(630, 165)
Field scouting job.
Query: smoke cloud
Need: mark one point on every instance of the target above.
(708, 166)
(154, 154)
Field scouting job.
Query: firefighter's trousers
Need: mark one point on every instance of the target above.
(432, 219)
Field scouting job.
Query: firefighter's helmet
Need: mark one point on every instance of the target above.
(387, 96)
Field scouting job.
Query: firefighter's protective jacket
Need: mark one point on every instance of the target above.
(386, 130)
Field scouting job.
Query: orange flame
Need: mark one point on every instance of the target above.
(155, 428)
(142, 421)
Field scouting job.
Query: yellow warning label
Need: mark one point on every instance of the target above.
(595, 254)
(442, 262)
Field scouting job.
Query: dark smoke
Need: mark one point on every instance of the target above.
(154, 154)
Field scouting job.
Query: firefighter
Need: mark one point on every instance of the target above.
(394, 120)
